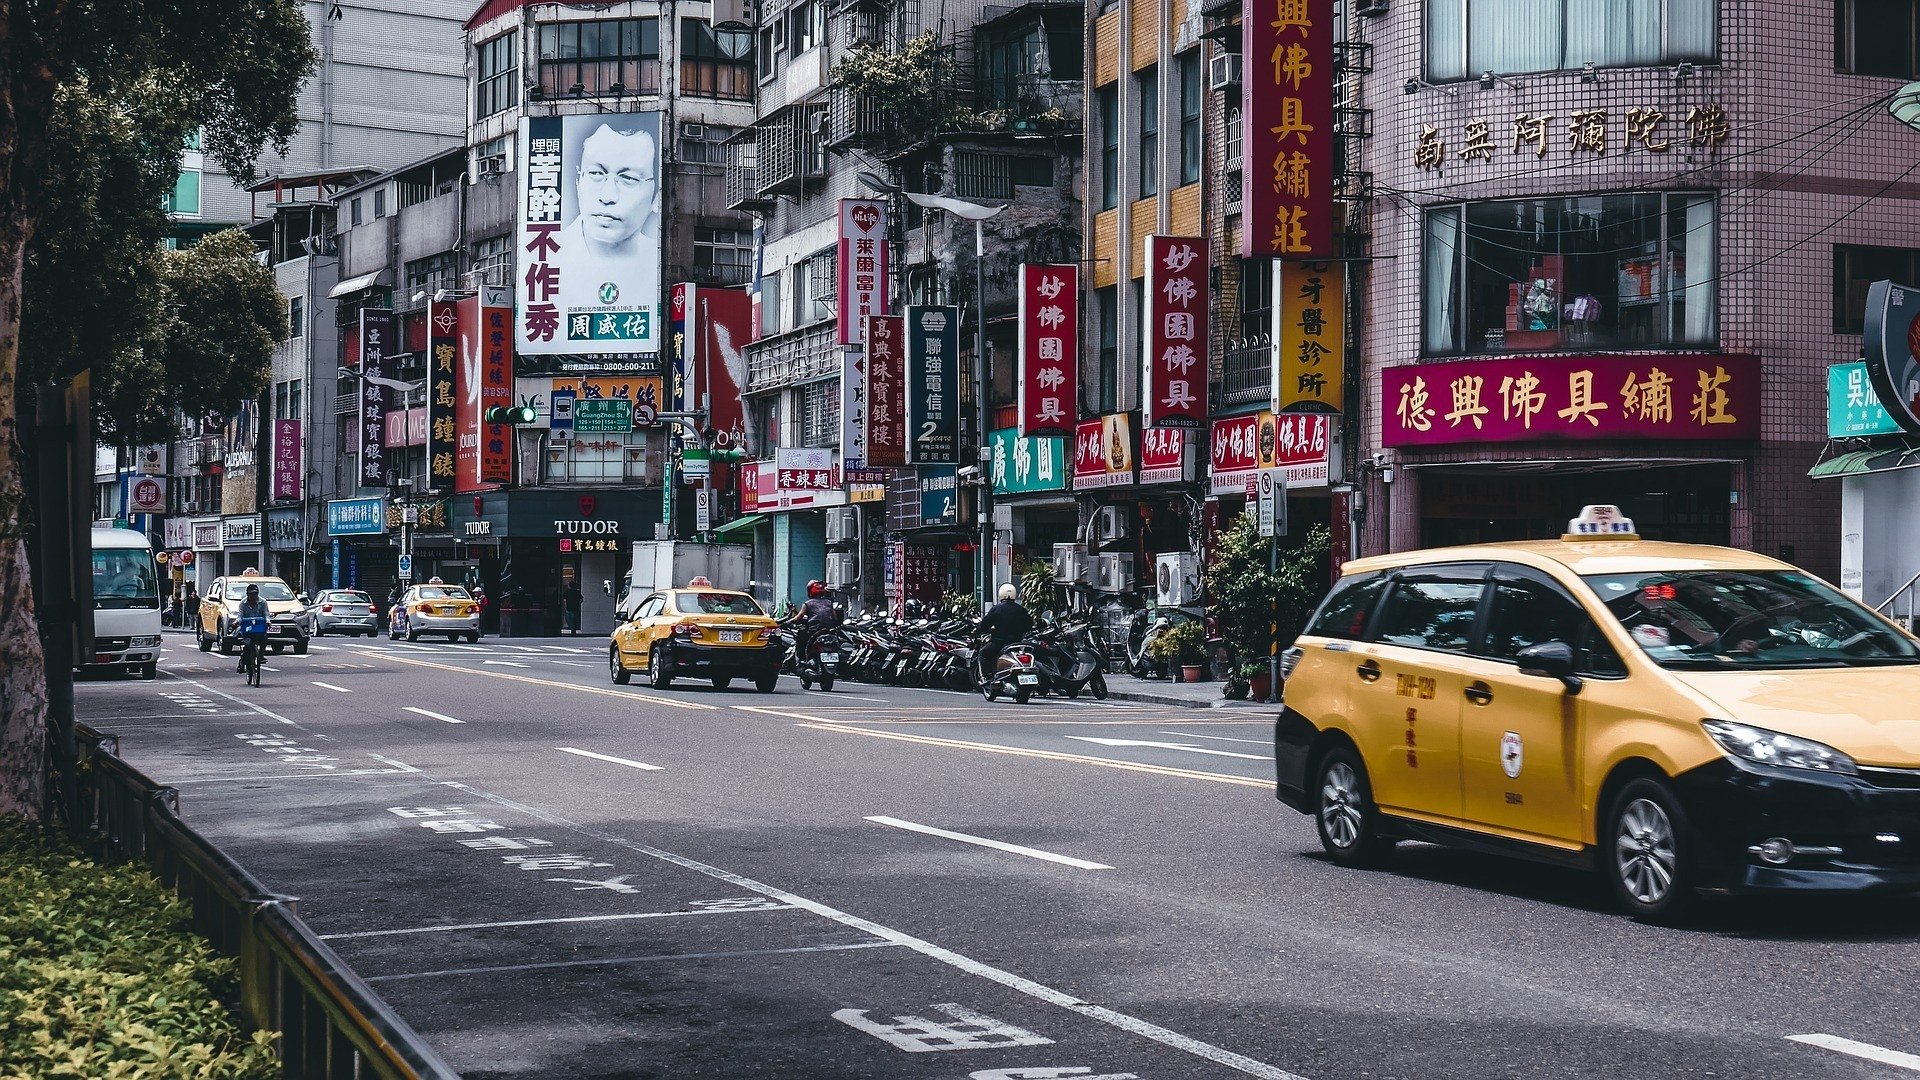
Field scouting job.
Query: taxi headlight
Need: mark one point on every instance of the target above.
(1765, 747)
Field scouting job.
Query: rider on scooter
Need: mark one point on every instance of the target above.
(817, 614)
(1004, 624)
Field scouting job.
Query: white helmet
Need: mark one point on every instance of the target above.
(1008, 592)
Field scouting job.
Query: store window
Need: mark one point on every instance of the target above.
(592, 58)
(1878, 37)
(1854, 269)
(1191, 91)
(1109, 381)
(497, 64)
(1149, 83)
(1468, 37)
(1585, 273)
(1107, 101)
(716, 63)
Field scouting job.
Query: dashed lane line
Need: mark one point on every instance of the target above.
(609, 757)
(613, 960)
(330, 686)
(997, 845)
(1048, 755)
(1220, 738)
(1860, 1050)
(553, 683)
(431, 715)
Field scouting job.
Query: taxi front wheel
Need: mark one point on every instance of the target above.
(1344, 811)
(1647, 852)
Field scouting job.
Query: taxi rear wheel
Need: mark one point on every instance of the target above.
(1344, 813)
(1647, 852)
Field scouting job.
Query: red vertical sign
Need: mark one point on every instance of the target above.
(1286, 94)
(724, 320)
(862, 265)
(1049, 352)
(1175, 387)
(496, 388)
(886, 390)
(467, 410)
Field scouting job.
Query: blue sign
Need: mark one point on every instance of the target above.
(1853, 406)
(406, 566)
(939, 495)
(357, 517)
(335, 561)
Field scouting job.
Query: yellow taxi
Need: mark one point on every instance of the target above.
(708, 633)
(1682, 719)
(219, 616)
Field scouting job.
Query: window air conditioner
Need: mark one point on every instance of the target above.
(1069, 563)
(1223, 71)
(692, 131)
(1113, 573)
(843, 570)
(1111, 524)
(492, 165)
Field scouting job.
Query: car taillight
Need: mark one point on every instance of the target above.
(421, 609)
(326, 607)
(685, 629)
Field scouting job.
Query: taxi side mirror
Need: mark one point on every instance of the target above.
(1552, 660)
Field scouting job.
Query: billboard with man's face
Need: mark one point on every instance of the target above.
(589, 235)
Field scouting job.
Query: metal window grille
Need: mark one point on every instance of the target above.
(722, 256)
(982, 176)
(820, 414)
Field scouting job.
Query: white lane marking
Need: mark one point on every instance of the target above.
(429, 714)
(502, 663)
(788, 715)
(611, 960)
(1167, 746)
(563, 648)
(320, 648)
(1040, 991)
(574, 663)
(918, 1035)
(1219, 738)
(554, 922)
(330, 686)
(1860, 1050)
(269, 714)
(997, 845)
(608, 757)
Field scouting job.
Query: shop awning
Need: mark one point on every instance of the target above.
(740, 523)
(354, 285)
(1860, 462)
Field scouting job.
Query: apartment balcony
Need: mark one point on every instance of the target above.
(794, 356)
(742, 178)
(1246, 375)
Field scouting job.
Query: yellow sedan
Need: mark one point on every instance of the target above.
(699, 633)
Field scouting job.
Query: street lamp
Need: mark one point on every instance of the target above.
(1905, 105)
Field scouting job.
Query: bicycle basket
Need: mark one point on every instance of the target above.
(253, 624)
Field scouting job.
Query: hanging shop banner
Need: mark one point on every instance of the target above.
(1175, 350)
(722, 328)
(406, 427)
(286, 459)
(1103, 452)
(1309, 373)
(861, 268)
(680, 346)
(590, 234)
(1893, 324)
(796, 478)
(933, 385)
(1295, 443)
(1163, 455)
(1853, 406)
(1028, 463)
(484, 455)
(376, 344)
(1286, 96)
(939, 495)
(443, 349)
(853, 407)
(1049, 349)
(886, 390)
(1525, 399)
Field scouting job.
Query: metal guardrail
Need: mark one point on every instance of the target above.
(1907, 591)
(330, 1023)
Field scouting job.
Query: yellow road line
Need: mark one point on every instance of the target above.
(548, 682)
(1047, 755)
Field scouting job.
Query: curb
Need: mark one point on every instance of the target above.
(1179, 702)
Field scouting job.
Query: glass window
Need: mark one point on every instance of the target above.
(591, 58)
(492, 260)
(1149, 83)
(1191, 95)
(379, 203)
(1467, 37)
(497, 65)
(1734, 619)
(716, 63)
(1433, 608)
(1109, 301)
(1235, 136)
(1528, 610)
(1592, 272)
(804, 26)
(714, 603)
(184, 199)
(1107, 100)
(1344, 613)
(820, 414)
(770, 306)
(123, 578)
(722, 256)
(1032, 171)
(296, 316)
(1878, 37)
(269, 590)
(1854, 269)
(441, 592)
(353, 210)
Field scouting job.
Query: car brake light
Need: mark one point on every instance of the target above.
(421, 609)
(326, 607)
(685, 629)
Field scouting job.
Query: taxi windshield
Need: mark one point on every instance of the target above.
(1748, 619)
(708, 603)
(442, 592)
(269, 590)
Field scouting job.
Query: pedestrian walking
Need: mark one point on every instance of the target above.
(572, 600)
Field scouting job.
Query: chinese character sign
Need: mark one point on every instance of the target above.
(1103, 452)
(934, 374)
(862, 266)
(1024, 463)
(1049, 351)
(1163, 453)
(1309, 375)
(1892, 345)
(443, 361)
(886, 390)
(286, 459)
(589, 234)
(377, 334)
(1287, 91)
(1853, 406)
(1241, 446)
(1174, 391)
(1523, 399)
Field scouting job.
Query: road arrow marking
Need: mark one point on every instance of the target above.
(1169, 746)
(502, 663)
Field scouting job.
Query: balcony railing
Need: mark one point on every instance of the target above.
(794, 356)
(742, 178)
(1247, 373)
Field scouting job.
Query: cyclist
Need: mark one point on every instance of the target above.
(253, 628)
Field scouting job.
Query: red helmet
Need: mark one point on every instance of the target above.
(816, 588)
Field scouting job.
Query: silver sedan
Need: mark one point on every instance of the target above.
(341, 611)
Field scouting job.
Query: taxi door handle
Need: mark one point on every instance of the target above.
(1479, 693)
(1369, 671)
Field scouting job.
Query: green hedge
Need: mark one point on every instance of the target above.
(101, 977)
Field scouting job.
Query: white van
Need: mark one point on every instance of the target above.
(126, 604)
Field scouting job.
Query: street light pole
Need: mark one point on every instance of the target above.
(987, 550)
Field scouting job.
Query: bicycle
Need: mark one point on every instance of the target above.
(253, 632)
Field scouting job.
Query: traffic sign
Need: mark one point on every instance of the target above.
(406, 566)
(594, 416)
(1272, 496)
(645, 415)
(703, 509)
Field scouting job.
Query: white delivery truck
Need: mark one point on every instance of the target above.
(664, 564)
(126, 605)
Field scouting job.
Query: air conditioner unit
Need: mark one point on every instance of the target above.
(692, 131)
(492, 165)
(1176, 579)
(1110, 524)
(817, 122)
(1113, 573)
(191, 506)
(843, 525)
(843, 570)
(1223, 71)
(1069, 563)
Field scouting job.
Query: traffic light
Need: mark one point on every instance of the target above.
(509, 414)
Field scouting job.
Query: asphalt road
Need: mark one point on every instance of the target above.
(550, 876)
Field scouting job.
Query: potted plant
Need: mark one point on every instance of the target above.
(1183, 646)
(1259, 678)
(1247, 585)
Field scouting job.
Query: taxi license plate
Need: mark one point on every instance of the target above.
(829, 657)
(1029, 680)
(449, 611)
(732, 637)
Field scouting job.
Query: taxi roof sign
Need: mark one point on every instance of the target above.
(1601, 522)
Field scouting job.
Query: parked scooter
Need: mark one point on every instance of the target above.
(1071, 660)
(1143, 627)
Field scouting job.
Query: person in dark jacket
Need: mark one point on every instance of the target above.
(1004, 623)
(817, 614)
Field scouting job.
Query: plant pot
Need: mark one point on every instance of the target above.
(1258, 686)
(1193, 672)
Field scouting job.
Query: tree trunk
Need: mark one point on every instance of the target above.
(23, 675)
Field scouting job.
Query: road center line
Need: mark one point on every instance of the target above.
(330, 686)
(553, 922)
(608, 757)
(788, 715)
(554, 683)
(431, 715)
(1050, 755)
(1860, 1050)
(997, 845)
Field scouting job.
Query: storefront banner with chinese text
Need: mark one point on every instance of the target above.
(1174, 390)
(1163, 455)
(1524, 399)
(933, 385)
(1286, 93)
(485, 453)
(681, 346)
(1028, 463)
(939, 495)
(1243, 445)
(1853, 406)
(1049, 350)
(913, 572)
(376, 344)
(861, 266)
(853, 406)
(796, 478)
(1311, 373)
(443, 348)
(286, 459)
(886, 390)
(1103, 452)
(1893, 355)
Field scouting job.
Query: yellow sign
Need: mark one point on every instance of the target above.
(1311, 373)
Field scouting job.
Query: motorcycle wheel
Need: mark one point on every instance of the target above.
(826, 682)
(806, 681)
(1021, 695)
(990, 690)
(1099, 685)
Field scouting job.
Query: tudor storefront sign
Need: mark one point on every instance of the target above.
(1286, 96)
(376, 343)
(1163, 455)
(1049, 349)
(598, 534)
(1892, 345)
(1310, 372)
(1528, 399)
(1174, 391)
(933, 385)
(1103, 452)
(861, 266)
(1241, 446)
(886, 390)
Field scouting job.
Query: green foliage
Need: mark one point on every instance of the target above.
(901, 84)
(961, 605)
(1181, 644)
(1240, 587)
(101, 977)
(1037, 590)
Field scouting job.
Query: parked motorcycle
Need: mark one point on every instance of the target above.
(1071, 658)
(1143, 627)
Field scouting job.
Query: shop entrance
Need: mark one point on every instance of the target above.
(1685, 504)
